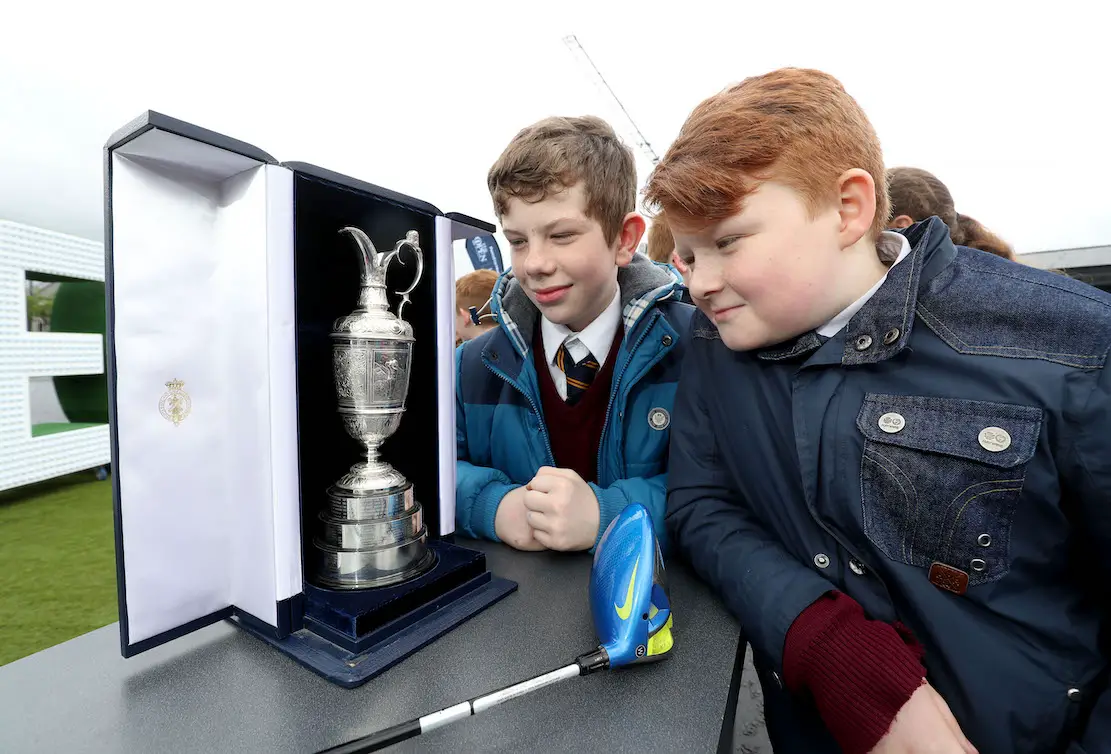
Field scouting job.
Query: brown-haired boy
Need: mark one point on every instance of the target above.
(661, 244)
(563, 411)
(890, 454)
(474, 290)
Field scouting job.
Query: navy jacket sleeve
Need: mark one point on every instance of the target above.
(1088, 476)
(761, 583)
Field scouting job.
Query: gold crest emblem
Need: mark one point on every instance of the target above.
(175, 403)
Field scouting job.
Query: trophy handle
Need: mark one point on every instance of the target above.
(412, 240)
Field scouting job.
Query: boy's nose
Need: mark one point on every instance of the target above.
(702, 282)
(539, 262)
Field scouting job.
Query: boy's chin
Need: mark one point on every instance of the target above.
(741, 338)
(560, 315)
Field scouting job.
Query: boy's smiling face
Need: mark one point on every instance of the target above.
(561, 257)
(775, 270)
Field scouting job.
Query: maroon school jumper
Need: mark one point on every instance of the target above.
(576, 431)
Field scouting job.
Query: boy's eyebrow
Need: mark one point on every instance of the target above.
(547, 226)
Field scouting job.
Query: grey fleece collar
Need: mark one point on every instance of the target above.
(641, 283)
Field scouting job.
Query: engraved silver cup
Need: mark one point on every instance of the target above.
(372, 530)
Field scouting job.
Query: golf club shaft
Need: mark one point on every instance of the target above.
(448, 715)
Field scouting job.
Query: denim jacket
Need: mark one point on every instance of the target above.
(945, 460)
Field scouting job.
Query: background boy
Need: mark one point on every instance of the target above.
(563, 411)
(474, 289)
(890, 455)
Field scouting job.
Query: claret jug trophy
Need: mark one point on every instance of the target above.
(371, 530)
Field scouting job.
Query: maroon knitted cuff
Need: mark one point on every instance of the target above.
(859, 672)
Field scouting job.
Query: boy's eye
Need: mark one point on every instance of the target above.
(563, 236)
(516, 241)
(728, 241)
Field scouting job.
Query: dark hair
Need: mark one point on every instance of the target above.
(919, 194)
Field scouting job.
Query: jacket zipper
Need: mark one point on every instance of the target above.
(535, 410)
(616, 385)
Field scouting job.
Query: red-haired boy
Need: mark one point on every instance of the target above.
(890, 455)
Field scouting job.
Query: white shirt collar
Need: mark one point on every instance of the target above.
(887, 238)
(597, 336)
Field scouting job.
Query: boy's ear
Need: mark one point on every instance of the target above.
(902, 221)
(857, 194)
(628, 238)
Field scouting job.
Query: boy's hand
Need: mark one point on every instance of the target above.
(510, 524)
(924, 725)
(562, 509)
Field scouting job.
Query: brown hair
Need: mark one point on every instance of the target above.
(796, 126)
(660, 241)
(919, 194)
(555, 154)
(474, 289)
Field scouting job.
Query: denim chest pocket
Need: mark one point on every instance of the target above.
(940, 479)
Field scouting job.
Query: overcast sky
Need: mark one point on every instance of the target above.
(1009, 110)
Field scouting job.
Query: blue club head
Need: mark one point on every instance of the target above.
(628, 591)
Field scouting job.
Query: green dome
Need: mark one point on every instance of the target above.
(79, 307)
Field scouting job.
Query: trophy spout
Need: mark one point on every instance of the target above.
(369, 257)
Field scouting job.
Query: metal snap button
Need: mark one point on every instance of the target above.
(667, 340)
(1075, 695)
(892, 422)
(821, 560)
(864, 342)
(994, 439)
(493, 356)
(891, 336)
(984, 540)
(978, 565)
(856, 568)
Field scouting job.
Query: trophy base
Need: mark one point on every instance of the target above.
(367, 535)
(369, 538)
(350, 637)
(347, 504)
(371, 569)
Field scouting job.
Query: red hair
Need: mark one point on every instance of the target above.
(796, 126)
(475, 288)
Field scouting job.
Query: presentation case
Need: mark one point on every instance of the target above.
(225, 271)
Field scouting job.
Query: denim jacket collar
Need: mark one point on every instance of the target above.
(882, 327)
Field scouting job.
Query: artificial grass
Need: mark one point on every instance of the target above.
(57, 563)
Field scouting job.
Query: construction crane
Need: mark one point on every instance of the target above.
(633, 133)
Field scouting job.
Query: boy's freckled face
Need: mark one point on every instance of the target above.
(561, 257)
(766, 274)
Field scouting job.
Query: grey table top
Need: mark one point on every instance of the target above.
(219, 689)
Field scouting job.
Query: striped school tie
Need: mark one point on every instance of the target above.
(579, 376)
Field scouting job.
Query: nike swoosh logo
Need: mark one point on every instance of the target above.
(624, 611)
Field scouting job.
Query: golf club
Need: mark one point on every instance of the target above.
(632, 616)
